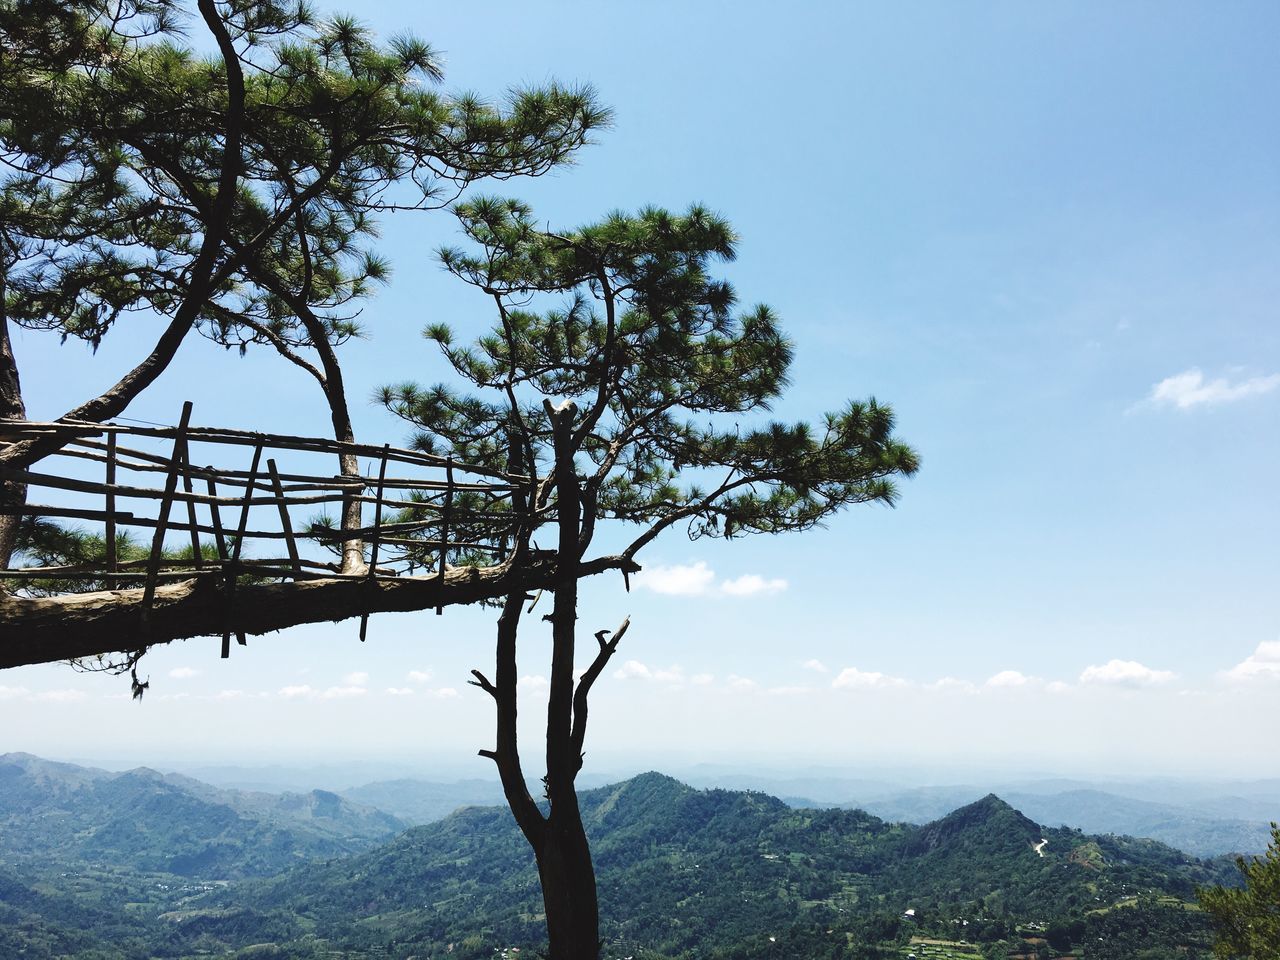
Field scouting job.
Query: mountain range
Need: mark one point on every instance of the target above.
(142, 864)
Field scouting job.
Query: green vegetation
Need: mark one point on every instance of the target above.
(1247, 919)
(683, 873)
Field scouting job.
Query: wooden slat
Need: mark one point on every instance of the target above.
(111, 503)
(285, 525)
(444, 527)
(377, 529)
(170, 485)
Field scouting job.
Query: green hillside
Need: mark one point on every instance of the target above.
(683, 873)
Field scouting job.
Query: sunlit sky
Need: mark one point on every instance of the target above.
(1047, 234)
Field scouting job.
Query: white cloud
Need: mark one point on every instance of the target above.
(1189, 389)
(418, 676)
(750, 584)
(293, 693)
(853, 678)
(443, 693)
(681, 580)
(633, 670)
(1057, 686)
(533, 683)
(1262, 664)
(60, 696)
(400, 691)
(699, 580)
(183, 673)
(1010, 679)
(791, 691)
(355, 679)
(742, 684)
(817, 666)
(230, 695)
(8, 693)
(343, 693)
(702, 679)
(1125, 673)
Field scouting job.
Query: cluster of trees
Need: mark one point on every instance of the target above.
(236, 197)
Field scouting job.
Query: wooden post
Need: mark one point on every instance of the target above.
(221, 543)
(111, 503)
(444, 525)
(377, 533)
(170, 487)
(284, 516)
(196, 555)
(231, 568)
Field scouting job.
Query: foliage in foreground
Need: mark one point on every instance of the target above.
(1247, 919)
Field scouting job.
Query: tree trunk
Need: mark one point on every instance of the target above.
(569, 886)
(564, 858)
(13, 495)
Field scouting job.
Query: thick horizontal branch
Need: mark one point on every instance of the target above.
(47, 630)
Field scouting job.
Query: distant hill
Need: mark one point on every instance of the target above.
(424, 801)
(1205, 830)
(687, 872)
(140, 865)
(169, 823)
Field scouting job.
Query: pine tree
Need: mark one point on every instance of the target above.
(626, 400)
(1247, 918)
(234, 196)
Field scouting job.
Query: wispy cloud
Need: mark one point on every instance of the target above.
(1124, 673)
(296, 692)
(750, 584)
(359, 679)
(680, 580)
(1010, 679)
(399, 691)
(1190, 389)
(11, 693)
(741, 684)
(1262, 664)
(817, 666)
(533, 683)
(699, 580)
(635, 670)
(183, 673)
(852, 678)
(418, 676)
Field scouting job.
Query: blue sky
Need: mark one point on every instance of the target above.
(1047, 234)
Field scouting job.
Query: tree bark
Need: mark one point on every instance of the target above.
(51, 629)
(564, 858)
(13, 494)
(569, 887)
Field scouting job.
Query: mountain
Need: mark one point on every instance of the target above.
(167, 823)
(424, 801)
(1206, 827)
(141, 865)
(711, 873)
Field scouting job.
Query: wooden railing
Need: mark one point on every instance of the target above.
(121, 478)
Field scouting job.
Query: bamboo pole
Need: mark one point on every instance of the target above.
(377, 531)
(111, 503)
(444, 526)
(283, 508)
(170, 485)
